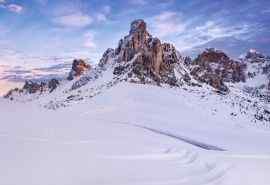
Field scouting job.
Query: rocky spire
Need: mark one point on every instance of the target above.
(133, 43)
(138, 26)
(150, 58)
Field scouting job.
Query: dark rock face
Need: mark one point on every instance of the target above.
(136, 41)
(119, 70)
(53, 84)
(187, 61)
(137, 26)
(79, 66)
(215, 67)
(31, 87)
(108, 54)
(145, 57)
(169, 54)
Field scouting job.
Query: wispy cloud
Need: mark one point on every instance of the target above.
(89, 40)
(103, 14)
(100, 17)
(106, 9)
(62, 23)
(167, 23)
(77, 17)
(187, 33)
(266, 11)
(78, 20)
(209, 31)
(16, 8)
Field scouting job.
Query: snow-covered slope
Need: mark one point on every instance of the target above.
(131, 134)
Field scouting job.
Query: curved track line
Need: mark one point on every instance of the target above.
(181, 138)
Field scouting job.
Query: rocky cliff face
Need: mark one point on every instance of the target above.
(215, 68)
(107, 58)
(143, 58)
(31, 87)
(79, 67)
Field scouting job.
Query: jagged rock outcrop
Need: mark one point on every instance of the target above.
(79, 66)
(144, 58)
(254, 56)
(215, 68)
(257, 73)
(135, 42)
(107, 58)
(53, 84)
(32, 87)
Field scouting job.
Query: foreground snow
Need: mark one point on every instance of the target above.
(131, 134)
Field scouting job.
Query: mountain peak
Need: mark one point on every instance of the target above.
(145, 58)
(138, 25)
(214, 67)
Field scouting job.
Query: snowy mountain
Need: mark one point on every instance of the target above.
(258, 72)
(141, 58)
(143, 115)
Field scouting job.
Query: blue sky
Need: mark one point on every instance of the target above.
(86, 28)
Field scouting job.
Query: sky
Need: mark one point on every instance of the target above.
(39, 33)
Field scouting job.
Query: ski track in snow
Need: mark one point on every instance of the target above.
(168, 134)
(204, 172)
(181, 138)
(195, 171)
